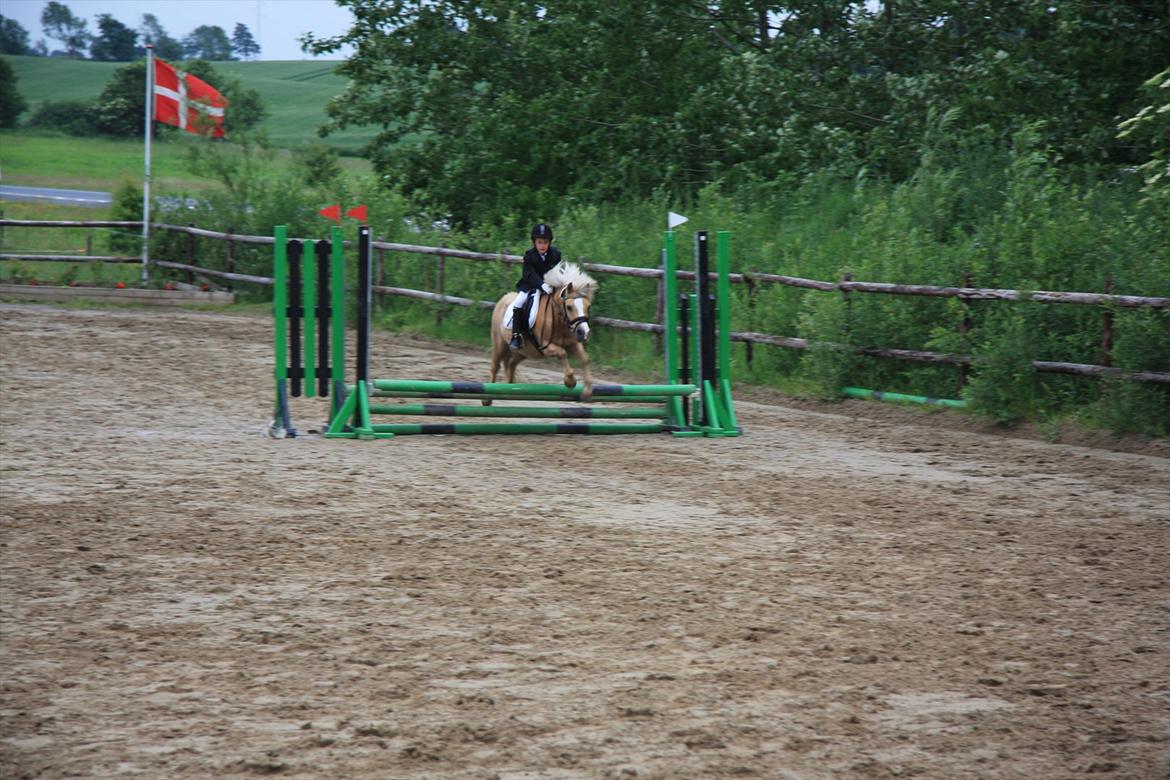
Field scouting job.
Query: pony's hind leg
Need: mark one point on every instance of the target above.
(510, 362)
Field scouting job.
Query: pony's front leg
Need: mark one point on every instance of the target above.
(587, 389)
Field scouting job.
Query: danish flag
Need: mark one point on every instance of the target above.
(185, 101)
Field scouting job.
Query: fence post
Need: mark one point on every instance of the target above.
(231, 263)
(845, 294)
(89, 242)
(379, 274)
(750, 281)
(442, 286)
(660, 296)
(191, 254)
(964, 329)
(1107, 328)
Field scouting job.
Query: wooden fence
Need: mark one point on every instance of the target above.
(1107, 301)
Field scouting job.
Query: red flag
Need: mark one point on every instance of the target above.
(357, 212)
(332, 212)
(185, 101)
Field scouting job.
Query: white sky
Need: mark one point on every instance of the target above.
(275, 24)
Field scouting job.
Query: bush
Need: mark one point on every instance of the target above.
(127, 207)
(71, 117)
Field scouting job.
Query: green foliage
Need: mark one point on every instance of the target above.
(1149, 130)
(243, 43)
(59, 22)
(1127, 406)
(152, 33)
(207, 42)
(1005, 386)
(120, 108)
(71, 117)
(829, 364)
(492, 109)
(13, 37)
(509, 108)
(318, 163)
(127, 207)
(12, 103)
(115, 43)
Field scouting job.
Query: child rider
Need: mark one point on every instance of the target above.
(538, 261)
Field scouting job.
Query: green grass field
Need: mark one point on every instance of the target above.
(37, 159)
(294, 92)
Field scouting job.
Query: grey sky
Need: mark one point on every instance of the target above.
(275, 24)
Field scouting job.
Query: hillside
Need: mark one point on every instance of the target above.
(294, 92)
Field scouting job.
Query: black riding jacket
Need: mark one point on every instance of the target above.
(535, 268)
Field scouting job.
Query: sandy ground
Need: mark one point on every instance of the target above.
(849, 591)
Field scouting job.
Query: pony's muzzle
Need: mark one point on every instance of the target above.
(582, 332)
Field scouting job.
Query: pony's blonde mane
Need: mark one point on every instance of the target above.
(570, 273)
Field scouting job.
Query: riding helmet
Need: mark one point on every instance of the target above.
(542, 231)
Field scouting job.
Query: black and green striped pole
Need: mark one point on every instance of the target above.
(308, 307)
(352, 418)
(282, 422)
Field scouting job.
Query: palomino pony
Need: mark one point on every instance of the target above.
(561, 327)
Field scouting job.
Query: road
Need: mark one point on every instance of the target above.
(60, 196)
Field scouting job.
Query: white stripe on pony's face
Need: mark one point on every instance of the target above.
(582, 327)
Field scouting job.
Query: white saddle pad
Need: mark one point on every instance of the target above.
(534, 296)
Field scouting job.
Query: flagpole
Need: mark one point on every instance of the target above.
(146, 175)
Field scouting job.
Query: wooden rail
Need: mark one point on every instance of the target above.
(1107, 300)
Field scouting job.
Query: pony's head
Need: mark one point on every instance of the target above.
(574, 290)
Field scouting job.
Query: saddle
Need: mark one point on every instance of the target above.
(529, 313)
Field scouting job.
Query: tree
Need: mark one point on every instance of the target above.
(490, 108)
(208, 42)
(243, 43)
(1149, 129)
(519, 105)
(115, 42)
(60, 23)
(13, 37)
(12, 104)
(152, 33)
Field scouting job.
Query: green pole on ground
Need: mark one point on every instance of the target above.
(879, 395)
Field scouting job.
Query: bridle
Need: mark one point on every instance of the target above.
(564, 304)
(561, 302)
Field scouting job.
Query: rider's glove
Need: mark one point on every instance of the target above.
(546, 287)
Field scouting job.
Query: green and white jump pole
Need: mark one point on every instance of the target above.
(663, 407)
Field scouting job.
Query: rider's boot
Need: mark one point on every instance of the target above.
(517, 342)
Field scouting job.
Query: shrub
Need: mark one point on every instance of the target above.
(71, 117)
